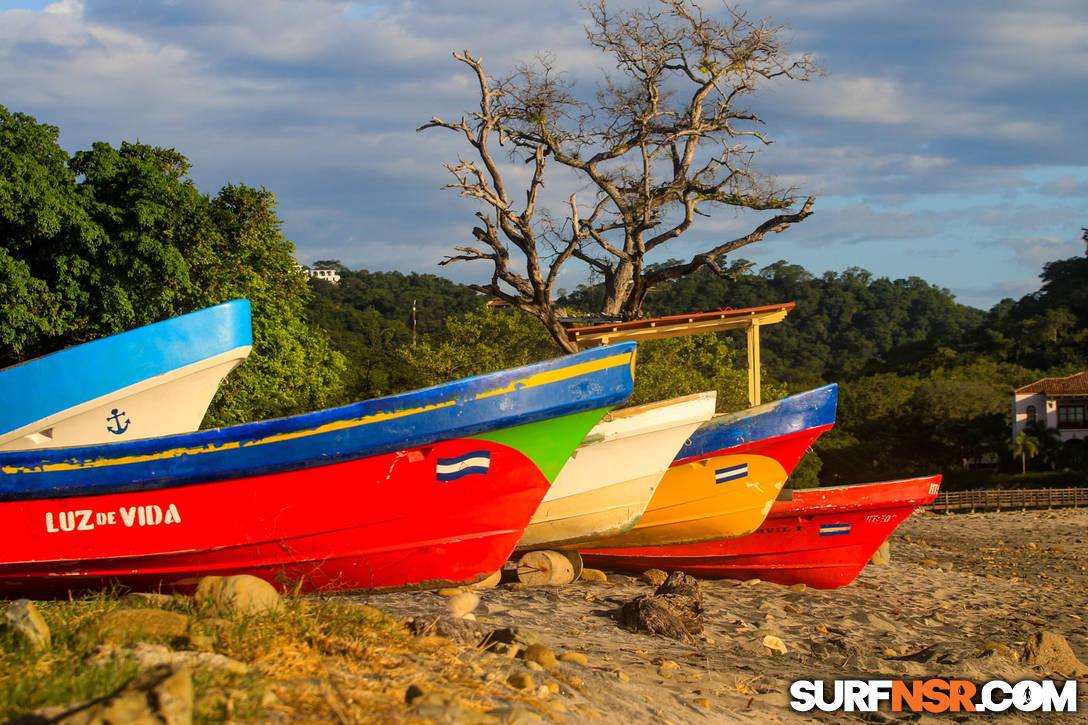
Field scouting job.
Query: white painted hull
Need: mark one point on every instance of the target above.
(608, 481)
(174, 402)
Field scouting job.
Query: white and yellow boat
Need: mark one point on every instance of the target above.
(607, 483)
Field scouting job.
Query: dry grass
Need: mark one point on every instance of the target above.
(320, 661)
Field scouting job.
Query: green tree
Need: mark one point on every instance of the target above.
(149, 211)
(1063, 280)
(370, 343)
(806, 474)
(1049, 443)
(1047, 329)
(114, 238)
(46, 241)
(677, 366)
(960, 418)
(845, 325)
(292, 368)
(1024, 447)
(481, 341)
(874, 436)
(392, 294)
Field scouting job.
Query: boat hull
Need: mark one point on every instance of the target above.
(608, 481)
(726, 477)
(429, 486)
(153, 381)
(822, 538)
(341, 526)
(173, 402)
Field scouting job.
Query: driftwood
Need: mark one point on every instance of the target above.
(675, 610)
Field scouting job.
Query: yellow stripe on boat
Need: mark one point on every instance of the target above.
(533, 381)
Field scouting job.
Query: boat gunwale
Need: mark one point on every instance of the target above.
(754, 445)
(799, 506)
(332, 446)
(804, 411)
(631, 411)
(688, 410)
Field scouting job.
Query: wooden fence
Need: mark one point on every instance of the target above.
(1023, 498)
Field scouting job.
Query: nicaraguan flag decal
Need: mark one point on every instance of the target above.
(732, 473)
(834, 529)
(450, 469)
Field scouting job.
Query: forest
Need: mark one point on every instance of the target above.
(110, 238)
(925, 383)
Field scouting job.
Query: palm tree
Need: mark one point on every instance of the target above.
(1026, 446)
(1050, 444)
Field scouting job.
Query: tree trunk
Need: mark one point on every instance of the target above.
(615, 289)
(556, 328)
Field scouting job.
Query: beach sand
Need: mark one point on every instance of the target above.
(960, 599)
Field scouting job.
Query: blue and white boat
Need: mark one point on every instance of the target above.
(152, 381)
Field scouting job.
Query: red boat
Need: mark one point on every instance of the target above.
(329, 528)
(821, 537)
(413, 489)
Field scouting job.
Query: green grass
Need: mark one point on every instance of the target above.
(82, 664)
(319, 660)
(30, 679)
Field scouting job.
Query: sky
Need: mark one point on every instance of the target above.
(944, 140)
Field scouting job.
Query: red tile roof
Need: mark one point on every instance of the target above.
(1076, 384)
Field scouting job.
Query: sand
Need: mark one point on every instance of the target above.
(961, 597)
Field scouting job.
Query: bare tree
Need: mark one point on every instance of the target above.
(664, 141)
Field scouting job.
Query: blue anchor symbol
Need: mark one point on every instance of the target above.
(116, 418)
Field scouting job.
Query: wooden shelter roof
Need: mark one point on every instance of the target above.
(676, 325)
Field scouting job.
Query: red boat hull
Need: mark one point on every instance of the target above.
(341, 526)
(823, 538)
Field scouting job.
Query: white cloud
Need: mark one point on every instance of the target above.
(920, 137)
(862, 224)
(1033, 252)
(1067, 186)
(984, 296)
(861, 99)
(1026, 45)
(918, 163)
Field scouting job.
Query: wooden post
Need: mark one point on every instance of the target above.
(545, 567)
(753, 365)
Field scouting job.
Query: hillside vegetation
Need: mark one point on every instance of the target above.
(925, 382)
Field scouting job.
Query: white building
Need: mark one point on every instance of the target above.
(326, 273)
(1060, 403)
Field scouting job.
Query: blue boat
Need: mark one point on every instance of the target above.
(152, 381)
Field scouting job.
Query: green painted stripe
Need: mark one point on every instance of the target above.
(548, 443)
